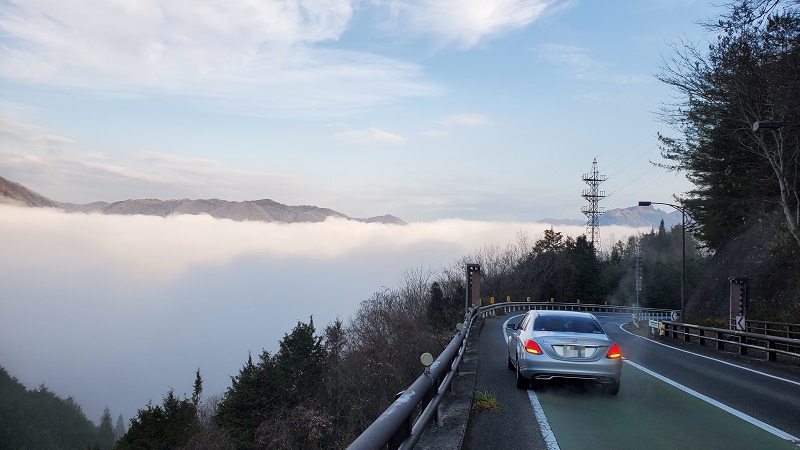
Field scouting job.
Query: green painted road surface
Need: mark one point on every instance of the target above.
(647, 413)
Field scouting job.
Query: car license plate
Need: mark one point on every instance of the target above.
(574, 351)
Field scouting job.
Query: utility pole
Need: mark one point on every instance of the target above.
(593, 195)
(638, 275)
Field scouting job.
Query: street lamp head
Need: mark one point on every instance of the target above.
(645, 203)
(761, 125)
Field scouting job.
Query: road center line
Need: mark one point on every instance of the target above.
(538, 412)
(764, 426)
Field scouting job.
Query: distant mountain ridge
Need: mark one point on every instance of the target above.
(253, 210)
(12, 193)
(634, 216)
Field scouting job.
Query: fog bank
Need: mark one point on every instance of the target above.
(115, 310)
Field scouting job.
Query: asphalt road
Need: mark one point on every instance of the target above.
(649, 411)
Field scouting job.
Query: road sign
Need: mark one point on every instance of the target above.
(674, 316)
(740, 323)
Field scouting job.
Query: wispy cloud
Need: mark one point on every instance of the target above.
(575, 61)
(371, 136)
(65, 170)
(633, 79)
(465, 23)
(29, 135)
(434, 133)
(264, 55)
(468, 120)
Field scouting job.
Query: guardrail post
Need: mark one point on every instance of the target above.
(702, 333)
(687, 337)
(720, 343)
(402, 433)
(771, 356)
(429, 396)
(742, 348)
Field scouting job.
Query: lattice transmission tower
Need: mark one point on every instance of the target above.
(593, 195)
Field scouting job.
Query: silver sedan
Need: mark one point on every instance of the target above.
(563, 344)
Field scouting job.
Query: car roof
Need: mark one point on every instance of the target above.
(564, 313)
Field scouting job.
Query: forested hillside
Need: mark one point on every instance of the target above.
(738, 113)
(39, 419)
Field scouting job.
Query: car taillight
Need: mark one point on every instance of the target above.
(532, 347)
(614, 352)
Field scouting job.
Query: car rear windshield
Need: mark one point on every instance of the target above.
(569, 324)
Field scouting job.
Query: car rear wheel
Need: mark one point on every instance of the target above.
(611, 388)
(522, 382)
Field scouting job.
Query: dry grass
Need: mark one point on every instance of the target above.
(485, 401)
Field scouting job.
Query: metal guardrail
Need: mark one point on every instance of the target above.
(642, 314)
(394, 427)
(789, 330)
(772, 345)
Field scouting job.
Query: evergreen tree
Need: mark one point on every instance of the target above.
(552, 241)
(275, 385)
(301, 359)
(585, 267)
(39, 419)
(437, 308)
(334, 342)
(119, 428)
(105, 433)
(253, 395)
(161, 427)
(198, 390)
(749, 74)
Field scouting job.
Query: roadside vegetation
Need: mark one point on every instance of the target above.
(485, 401)
(746, 199)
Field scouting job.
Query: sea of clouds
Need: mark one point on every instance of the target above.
(116, 310)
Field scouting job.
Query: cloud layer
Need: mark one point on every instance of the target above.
(115, 310)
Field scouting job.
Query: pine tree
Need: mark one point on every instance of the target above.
(437, 307)
(119, 428)
(198, 390)
(161, 427)
(105, 434)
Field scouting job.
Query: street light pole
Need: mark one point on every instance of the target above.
(683, 252)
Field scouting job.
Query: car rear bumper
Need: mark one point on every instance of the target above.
(542, 367)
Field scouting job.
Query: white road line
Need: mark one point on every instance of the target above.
(552, 443)
(538, 412)
(544, 425)
(764, 426)
(713, 359)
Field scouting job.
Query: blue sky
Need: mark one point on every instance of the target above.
(426, 110)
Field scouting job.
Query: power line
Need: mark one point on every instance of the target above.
(611, 164)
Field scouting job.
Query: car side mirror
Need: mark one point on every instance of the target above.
(512, 326)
